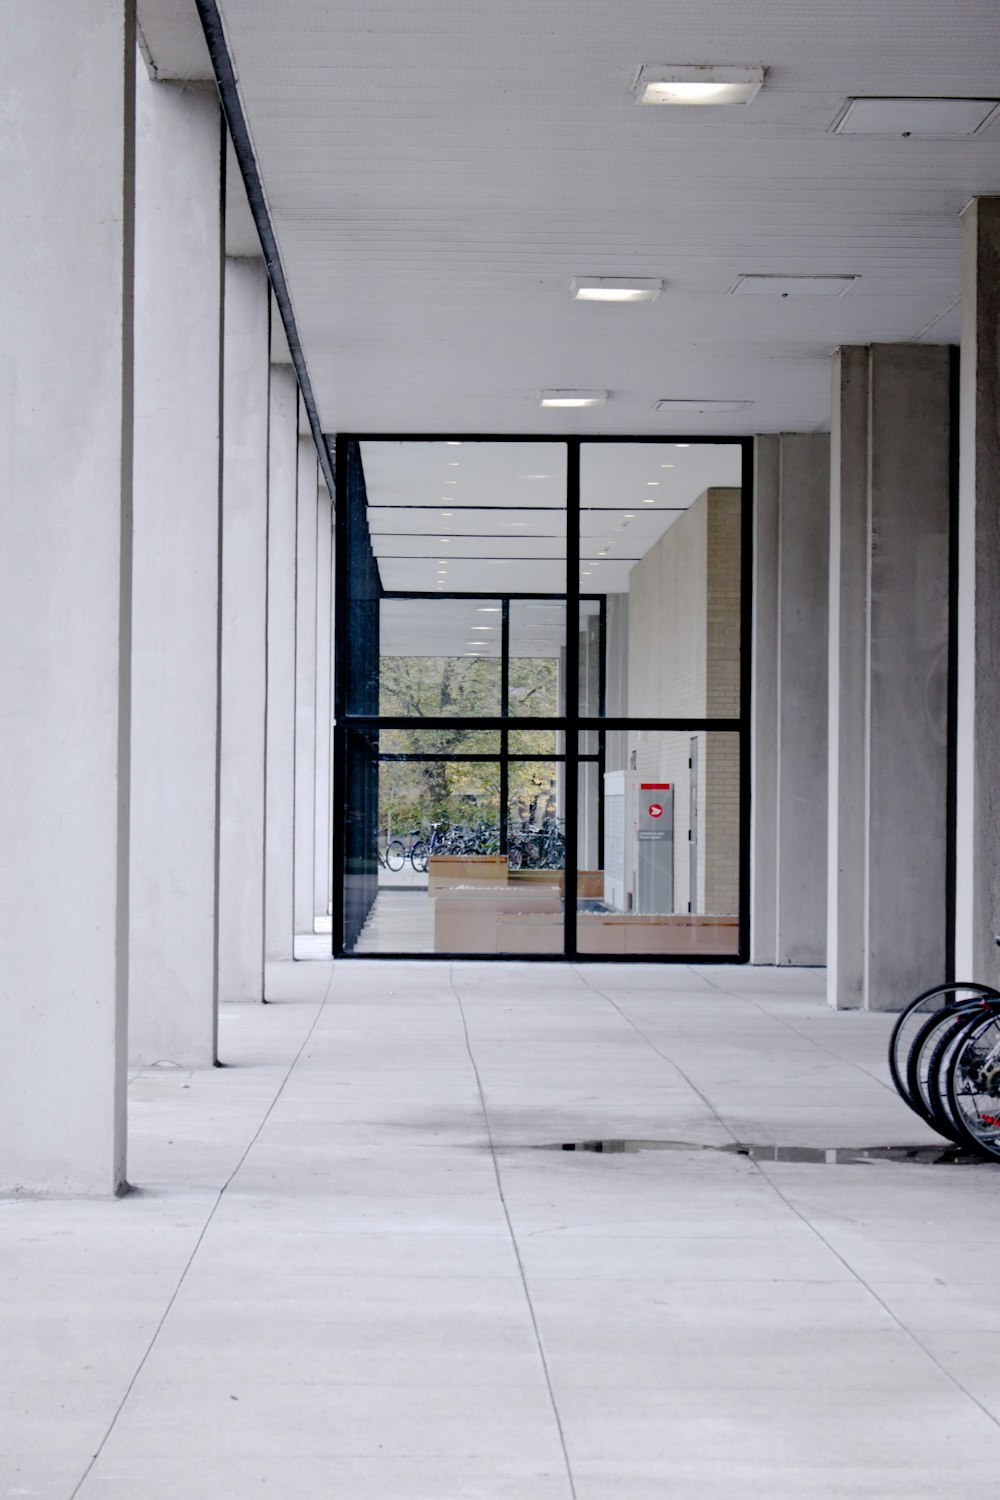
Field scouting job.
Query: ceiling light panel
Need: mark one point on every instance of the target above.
(572, 398)
(922, 117)
(693, 408)
(697, 84)
(614, 289)
(792, 286)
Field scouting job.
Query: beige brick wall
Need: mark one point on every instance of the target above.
(684, 660)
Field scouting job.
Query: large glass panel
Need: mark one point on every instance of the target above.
(438, 659)
(660, 542)
(669, 882)
(537, 672)
(536, 827)
(467, 517)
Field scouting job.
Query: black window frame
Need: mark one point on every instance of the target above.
(571, 724)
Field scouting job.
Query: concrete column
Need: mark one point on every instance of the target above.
(175, 659)
(977, 844)
(279, 786)
(765, 738)
(888, 783)
(791, 580)
(244, 631)
(65, 592)
(305, 688)
(324, 702)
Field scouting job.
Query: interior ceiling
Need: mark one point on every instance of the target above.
(481, 517)
(437, 173)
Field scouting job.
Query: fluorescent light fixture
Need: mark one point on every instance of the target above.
(484, 627)
(453, 444)
(615, 289)
(630, 515)
(652, 484)
(534, 476)
(488, 609)
(697, 83)
(649, 499)
(791, 286)
(452, 463)
(906, 117)
(572, 398)
(692, 408)
(666, 466)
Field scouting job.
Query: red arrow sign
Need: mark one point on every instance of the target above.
(655, 810)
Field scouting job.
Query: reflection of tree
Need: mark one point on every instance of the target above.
(414, 794)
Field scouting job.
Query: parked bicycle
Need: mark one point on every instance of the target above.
(944, 1058)
(397, 853)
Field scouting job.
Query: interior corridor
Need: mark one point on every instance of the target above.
(353, 1270)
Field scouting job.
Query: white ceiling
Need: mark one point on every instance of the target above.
(437, 173)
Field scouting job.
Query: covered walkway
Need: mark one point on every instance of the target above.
(352, 1269)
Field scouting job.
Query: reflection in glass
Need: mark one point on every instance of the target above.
(660, 539)
(535, 742)
(671, 847)
(455, 741)
(436, 660)
(537, 684)
(536, 829)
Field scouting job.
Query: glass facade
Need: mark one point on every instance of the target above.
(507, 784)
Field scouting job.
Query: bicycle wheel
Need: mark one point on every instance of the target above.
(514, 857)
(973, 1085)
(950, 1041)
(916, 1013)
(419, 855)
(929, 1047)
(395, 855)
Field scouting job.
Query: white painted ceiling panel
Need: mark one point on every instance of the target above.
(437, 174)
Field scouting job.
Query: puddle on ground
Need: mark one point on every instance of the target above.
(931, 1156)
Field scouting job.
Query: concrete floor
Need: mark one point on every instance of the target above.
(350, 1273)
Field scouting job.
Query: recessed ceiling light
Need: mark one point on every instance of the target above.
(687, 83)
(484, 627)
(653, 483)
(453, 444)
(451, 481)
(666, 466)
(906, 117)
(445, 539)
(791, 286)
(682, 445)
(488, 609)
(615, 289)
(452, 463)
(534, 476)
(572, 398)
(704, 407)
(447, 513)
(649, 499)
(630, 515)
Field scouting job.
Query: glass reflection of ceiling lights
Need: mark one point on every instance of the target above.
(614, 476)
(506, 520)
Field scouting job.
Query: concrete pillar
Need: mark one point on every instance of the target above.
(65, 592)
(324, 702)
(175, 656)
(977, 844)
(244, 631)
(279, 785)
(888, 784)
(791, 580)
(305, 687)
